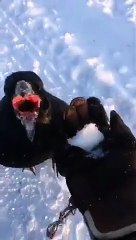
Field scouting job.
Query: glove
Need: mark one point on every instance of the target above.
(83, 111)
(105, 192)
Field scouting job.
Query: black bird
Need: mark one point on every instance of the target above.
(30, 121)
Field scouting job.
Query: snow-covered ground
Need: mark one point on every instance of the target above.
(79, 48)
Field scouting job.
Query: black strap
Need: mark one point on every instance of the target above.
(53, 227)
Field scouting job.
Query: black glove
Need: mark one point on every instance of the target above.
(104, 190)
(82, 111)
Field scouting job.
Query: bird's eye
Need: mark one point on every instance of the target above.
(19, 116)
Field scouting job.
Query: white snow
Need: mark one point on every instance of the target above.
(79, 48)
(87, 138)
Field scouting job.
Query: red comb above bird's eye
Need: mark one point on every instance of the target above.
(34, 99)
(19, 102)
(16, 101)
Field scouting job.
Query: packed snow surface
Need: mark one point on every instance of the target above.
(79, 48)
